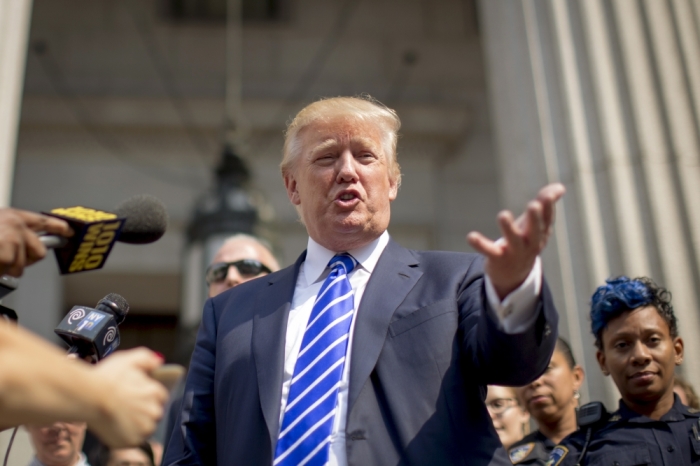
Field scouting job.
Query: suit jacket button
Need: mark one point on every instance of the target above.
(357, 435)
(547, 330)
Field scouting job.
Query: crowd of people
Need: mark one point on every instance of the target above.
(364, 352)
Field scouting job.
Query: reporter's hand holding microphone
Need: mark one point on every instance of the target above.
(20, 245)
(134, 400)
(118, 397)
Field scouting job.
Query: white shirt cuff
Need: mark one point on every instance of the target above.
(517, 310)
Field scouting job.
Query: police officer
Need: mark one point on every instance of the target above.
(551, 400)
(636, 334)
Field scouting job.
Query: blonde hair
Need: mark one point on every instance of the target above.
(362, 108)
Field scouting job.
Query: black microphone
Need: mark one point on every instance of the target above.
(146, 219)
(94, 332)
(141, 219)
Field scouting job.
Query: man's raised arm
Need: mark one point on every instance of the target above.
(511, 259)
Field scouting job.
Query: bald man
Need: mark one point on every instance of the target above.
(241, 258)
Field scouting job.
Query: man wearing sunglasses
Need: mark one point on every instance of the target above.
(240, 258)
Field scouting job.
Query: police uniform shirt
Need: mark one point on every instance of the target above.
(629, 438)
(534, 448)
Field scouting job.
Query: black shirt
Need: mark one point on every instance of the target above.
(629, 438)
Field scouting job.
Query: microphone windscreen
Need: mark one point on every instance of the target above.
(146, 219)
(117, 304)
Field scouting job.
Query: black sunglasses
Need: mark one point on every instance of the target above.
(248, 268)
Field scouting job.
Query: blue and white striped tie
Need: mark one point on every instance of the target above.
(308, 417)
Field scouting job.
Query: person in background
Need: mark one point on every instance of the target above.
(141, 455)
(636, 333)
(239, 259)
(58, 444)
(552, 401)
(510, 420)
(686, 392)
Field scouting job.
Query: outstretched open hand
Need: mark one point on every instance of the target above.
(510, 259)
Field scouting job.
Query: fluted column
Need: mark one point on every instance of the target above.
(604, 96)
(14, 30)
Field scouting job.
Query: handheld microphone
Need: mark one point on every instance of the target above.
(141, 219)
(94, 332)
(146, 219)
(8, 284)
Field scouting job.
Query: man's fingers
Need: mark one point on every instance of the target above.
(535, 229)
(35, 249)
(553, 192)
(39, 222)
(482, 244)
(548, 197)
(16, 268)
(509, 229)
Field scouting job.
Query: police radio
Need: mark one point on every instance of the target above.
(591, 416)
(94, 332)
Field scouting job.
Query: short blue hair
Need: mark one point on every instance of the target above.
(622, 294)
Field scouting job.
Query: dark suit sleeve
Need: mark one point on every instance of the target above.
(193, 439)
(498, 357)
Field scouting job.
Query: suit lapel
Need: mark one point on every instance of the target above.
(269, 335)
(392, 279)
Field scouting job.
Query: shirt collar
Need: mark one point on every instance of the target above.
(540, 437)
(318, 257)
(82, 461)
(678, 412)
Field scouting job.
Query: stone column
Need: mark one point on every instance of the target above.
(604, 97)
(14, 31)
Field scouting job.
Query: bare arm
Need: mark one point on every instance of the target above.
(39, 385)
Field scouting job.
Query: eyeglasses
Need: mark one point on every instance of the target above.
(498, 406)
(248, 268)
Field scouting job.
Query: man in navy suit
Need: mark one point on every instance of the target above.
(427, 332)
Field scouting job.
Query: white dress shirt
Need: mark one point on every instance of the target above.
(82, 461)
(515, 312)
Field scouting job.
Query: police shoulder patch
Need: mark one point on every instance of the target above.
(520, 452)
(557, 455)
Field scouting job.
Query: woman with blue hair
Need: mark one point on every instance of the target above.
(636, 333)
